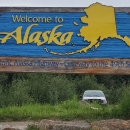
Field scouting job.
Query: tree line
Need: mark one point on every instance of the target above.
(28, 88)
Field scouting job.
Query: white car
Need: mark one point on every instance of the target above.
(94, 95)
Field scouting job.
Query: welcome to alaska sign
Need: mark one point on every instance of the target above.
(94, 40)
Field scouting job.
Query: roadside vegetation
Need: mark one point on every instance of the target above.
(68, 110)
(32, 127)
(38, 96)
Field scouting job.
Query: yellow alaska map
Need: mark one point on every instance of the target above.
(100, 24)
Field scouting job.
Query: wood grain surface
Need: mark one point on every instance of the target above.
(65, 65)
(112, 56)
(54, 9)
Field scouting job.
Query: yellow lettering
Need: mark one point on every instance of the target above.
(66, 37)
(45, 36)
(18, 36)
(29, 19)
(16, 18)
(22, 19)
(35, 37)
(25, 40)
(54, 36)
(49, 19)
(38, 37)
(35, 19)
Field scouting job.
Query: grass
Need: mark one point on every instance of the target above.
(32, 127)
(67, 110)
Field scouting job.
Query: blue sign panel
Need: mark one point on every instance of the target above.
(66, 35)
(96, 40)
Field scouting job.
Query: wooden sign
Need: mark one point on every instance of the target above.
(93, 40)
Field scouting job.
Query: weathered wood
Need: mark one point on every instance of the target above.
(29, 42)
(54, 9)
(65, 65)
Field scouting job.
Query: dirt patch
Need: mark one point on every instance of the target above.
(113, 124)
(63, 125)
(46, 125)
(16, 125)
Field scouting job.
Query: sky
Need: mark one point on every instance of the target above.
(62, 3)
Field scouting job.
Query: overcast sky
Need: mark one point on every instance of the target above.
(62, 3)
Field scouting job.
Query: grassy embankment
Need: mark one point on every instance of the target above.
(67, 110)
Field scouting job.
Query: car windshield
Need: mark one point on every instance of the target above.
(93, 94)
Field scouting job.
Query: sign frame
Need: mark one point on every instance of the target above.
(62, 64)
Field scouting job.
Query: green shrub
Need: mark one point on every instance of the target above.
(50, 88)
(19, 93)
(125, 103)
